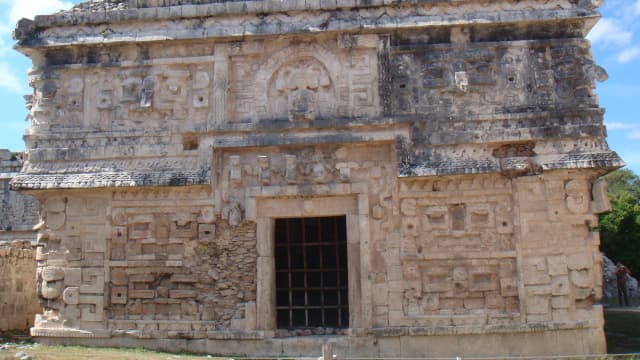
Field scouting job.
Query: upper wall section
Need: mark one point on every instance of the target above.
(460, 87)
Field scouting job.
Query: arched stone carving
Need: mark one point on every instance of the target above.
(301, 90)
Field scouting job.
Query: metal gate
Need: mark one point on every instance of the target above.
(311, 272)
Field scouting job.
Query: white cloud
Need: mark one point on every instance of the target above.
(632, 130)
(29, 8)
(629, 54)
(10, 82)
(14, 10)
(608, 32)
(619, 125)
(631, 157)
(636, 8)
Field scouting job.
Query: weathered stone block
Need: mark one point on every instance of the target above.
(119, 295)
(560, 285)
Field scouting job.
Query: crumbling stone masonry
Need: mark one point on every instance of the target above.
(18, 294)
(261, 177)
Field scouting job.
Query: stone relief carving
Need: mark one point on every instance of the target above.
(562, 74)
(71, 246)
(184, 265)
(300, 90)
(457, 224)
(304, 82)
(461, 287)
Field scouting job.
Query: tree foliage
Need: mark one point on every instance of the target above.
(620, 229)
(623, 180)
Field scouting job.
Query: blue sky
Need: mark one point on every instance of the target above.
(615, 40)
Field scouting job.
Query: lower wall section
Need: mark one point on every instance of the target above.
(18, 298)
(557, 342)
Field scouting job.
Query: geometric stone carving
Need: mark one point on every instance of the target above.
(72, 276)
(119, 295)
(91, 308)
(92, 280)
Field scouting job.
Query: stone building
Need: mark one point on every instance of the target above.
(261, 177)
(18, 216)
(18, 212)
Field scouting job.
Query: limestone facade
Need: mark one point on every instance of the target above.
(459, 140)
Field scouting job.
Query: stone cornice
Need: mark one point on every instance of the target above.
(256, 18)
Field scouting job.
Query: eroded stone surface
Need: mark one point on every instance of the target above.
(17, 286)
(461, 141)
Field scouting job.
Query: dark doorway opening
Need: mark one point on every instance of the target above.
(311, 273)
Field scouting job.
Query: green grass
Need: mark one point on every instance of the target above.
(43, 352)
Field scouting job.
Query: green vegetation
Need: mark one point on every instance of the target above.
(620, 229)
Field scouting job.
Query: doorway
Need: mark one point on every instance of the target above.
(311, 272)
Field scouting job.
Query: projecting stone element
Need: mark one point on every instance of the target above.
(236, 174)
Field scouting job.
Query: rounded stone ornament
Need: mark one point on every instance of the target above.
(51, 290)
(71, 295)
(578, 198)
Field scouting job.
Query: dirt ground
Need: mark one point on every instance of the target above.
(622, 331)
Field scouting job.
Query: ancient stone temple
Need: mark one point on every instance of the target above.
(261, 177)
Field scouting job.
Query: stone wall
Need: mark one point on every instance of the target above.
(164, 264)
(18, 290)
(19, 211)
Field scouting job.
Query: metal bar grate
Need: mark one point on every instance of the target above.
(311, 272)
